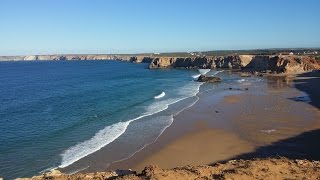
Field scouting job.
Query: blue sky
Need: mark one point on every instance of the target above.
(132, 26)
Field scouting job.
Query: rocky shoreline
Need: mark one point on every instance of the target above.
(268, 168)
(258, 63)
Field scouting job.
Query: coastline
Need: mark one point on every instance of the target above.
(222, 115)
(121, 148)
(222, 125)
(272, 126)
(185, 142)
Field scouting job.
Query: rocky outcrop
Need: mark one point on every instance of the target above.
(293, 64)
(210, 79)
(141, 59)
(282, 64)
(269, 168)
(210, 62)
(180, 62)
(277, 64)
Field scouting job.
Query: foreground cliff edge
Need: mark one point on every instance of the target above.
(269, 168)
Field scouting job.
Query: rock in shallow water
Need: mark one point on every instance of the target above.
(210, 79)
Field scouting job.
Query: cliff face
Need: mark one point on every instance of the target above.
(278, 64)
(177, 62)
(141, 59)
(135, 59)
(65, 57)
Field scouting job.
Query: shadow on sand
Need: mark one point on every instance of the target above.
(310, 84)
(303, 146)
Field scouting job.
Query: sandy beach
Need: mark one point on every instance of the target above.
(276, 119)
(265, 127)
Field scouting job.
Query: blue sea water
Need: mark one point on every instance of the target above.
(53, 113)
(57, 113)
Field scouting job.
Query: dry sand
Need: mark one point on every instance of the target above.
(201, 147)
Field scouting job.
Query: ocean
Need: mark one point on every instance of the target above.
(54, 113)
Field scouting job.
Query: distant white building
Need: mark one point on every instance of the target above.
(291, 53)
(156, 53)
(310, 53)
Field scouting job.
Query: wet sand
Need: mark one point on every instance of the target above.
(232, 123)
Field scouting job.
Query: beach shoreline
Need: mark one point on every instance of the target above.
(269, 118)
(228, 119)
(186, 141)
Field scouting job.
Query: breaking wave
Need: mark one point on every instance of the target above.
(160, 95)
(112, 132)
(204, 71)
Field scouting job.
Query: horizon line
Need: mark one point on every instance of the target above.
(167, 52)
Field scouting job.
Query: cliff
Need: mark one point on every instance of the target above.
(270, 168)
(276, 64)
(69, 57)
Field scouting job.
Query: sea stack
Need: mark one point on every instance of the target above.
(210, 79)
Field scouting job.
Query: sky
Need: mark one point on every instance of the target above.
(29, 27)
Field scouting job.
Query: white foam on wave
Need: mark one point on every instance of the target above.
(160, 95)
(107, 135)
(196, 76)
(217, 72)
(112, 132)
(241, 80)
(169, 120)
(160, 105)
(99, 140)
(186, 91)
(204, 71)
(190, 89)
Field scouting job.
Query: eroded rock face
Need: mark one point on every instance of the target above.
(197, 62)
(178, 62)
(268, 168)
(294, 64)
(277, 64)
(245, 59)
(140, 59)
(210, 79)
(163, 62)
(231, 62)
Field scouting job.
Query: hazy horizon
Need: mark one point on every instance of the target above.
(166, 52)
(126, 27)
